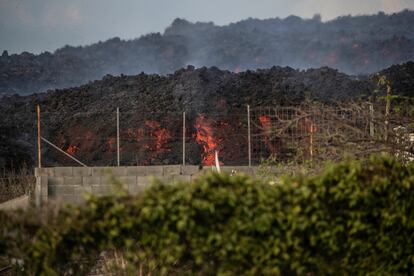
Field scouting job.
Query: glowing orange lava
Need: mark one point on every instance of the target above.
(161, 135)
(72, 149)
(111, 144)
(205, 138)
(136, 135)
(266, 123)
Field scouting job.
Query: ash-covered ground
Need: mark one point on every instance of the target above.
(82, 120)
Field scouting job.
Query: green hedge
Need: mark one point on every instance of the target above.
(357, 217)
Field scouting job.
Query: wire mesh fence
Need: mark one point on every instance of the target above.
(303, 132)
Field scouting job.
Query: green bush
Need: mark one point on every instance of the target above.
(356, 217)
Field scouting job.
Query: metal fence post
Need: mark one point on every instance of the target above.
(248, 136)
(117, 135)
(39, 154)
(371, 121)
(184, 132)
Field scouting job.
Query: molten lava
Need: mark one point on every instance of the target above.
(72, 149)
(205, 137)
(160, 135)
(154, 137)
(266, 123)
(136, 135)
(111, 143)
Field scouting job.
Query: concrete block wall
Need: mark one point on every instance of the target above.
(69, 184)
(21, 202)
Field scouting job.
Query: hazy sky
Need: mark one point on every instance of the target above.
(45, 25)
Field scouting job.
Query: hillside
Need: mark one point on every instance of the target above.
(353, 45)
(82, 120)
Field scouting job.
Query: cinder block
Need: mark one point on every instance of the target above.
(155, 170)
(43, 187)
(121, 179)
(80, 190)
(143, 181)
(54, 181)
(44, 171)
(238, 169)
(106, 180)
(190, 170)
(102, 190)
(245, 169)
(63, 171)
(172, 170)
(128, 180)
(100, 171)
(82, 171)
(203, 173)
(103, 171)
(118, 171)
(72, 199)
(55, 191)
(182, 178)
(41, 190)
(135, 189)
(109, 180)
(255, 170)
(166, 179)
(91, 180)
(136, 171)
(226, 168)
(73, 180)
(38, 192)
(208, 168)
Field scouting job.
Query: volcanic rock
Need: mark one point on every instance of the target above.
(353, 45)
(82, 120)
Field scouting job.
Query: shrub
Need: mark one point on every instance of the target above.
(355, 218)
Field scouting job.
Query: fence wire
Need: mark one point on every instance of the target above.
(299, 133)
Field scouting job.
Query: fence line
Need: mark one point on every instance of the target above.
(241, 138)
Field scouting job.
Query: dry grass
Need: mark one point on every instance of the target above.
(115, 262)
(16, 183)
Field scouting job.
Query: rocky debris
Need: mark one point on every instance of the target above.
(354, 45)
(81, 120)
(401, 77)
